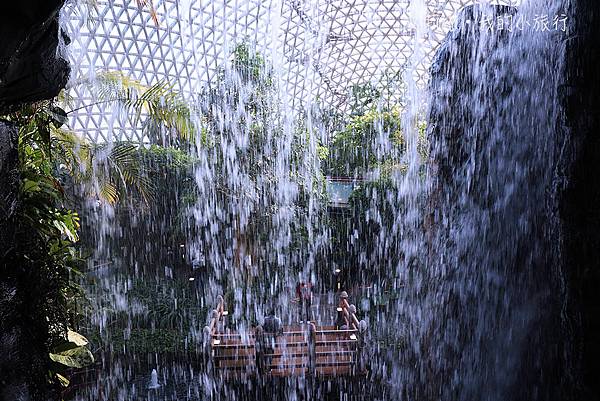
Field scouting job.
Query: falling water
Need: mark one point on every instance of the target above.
(465, 249)
(154, 384)
(482, 296)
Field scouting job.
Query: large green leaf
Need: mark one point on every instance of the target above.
(77, 338)
(62, 380)
(78, 357)
(74, 340)
(58, 116)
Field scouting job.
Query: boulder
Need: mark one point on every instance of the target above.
(31, 67)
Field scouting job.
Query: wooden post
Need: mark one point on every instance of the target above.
(312, 354)
(259, 348)
(361, 362)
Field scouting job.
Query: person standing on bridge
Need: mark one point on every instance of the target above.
(304, 293)
(273, 324)
(271, 328)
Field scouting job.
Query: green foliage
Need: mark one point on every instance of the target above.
(143, 341)
(46, 257)
(53, 156)
(167, 118)
(367, 142)
(253, 150)
(116, 170)
(73, 353)
(112, 171)
(252, 90)
(163, 312)
(170, 306)
(364, 98)
(372, 146)
(385, 93)
(171, 174)
(372, 139)
(174, 158)
(251, 66)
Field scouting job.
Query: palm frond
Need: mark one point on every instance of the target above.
(150, 5)
(159, 103)
(108, 192)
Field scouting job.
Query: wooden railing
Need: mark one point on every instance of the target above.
(218, 314)
(298, 350)
(348, 315)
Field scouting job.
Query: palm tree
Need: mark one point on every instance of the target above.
(111, 169)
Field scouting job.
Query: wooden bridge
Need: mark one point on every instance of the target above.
(302, 349)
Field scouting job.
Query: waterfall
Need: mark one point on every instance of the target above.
(154, 384)
(467, 244)
(482, 302)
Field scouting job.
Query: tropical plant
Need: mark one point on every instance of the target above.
(72, 352)
(45, 258)
(166, 118)
(369, 141)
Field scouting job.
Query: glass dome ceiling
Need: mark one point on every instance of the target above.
(319, 48)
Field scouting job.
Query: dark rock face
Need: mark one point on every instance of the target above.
(30, 68)
(453, 76)
(9, 333)
(9, 179)
(497, 143)
(545, 229)
(580, 206)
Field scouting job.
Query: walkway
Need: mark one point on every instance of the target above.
(306, 349)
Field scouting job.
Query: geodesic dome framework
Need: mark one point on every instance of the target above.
(319, 48)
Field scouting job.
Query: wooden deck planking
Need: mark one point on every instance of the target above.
(334, 351)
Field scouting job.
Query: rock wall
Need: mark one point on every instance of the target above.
(580, 205)
(501, 159)
(31, 69)
(515, 127)
(9, 178)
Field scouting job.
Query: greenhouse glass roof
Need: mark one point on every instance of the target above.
(319, 48)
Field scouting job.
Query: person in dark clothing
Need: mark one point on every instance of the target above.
(272, 323)
(341, 323)
(259, 347)
(305, 302)
(304, 293)
(272, 328)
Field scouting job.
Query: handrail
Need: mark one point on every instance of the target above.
(336, 331)
(350, 317)
(211, 330)
(354, 324)
(336, 346)
(217, 315)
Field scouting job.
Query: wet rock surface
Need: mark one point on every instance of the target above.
(31, 69)
(474, 98)
(580, 204)
(9, 178)
(499, 170)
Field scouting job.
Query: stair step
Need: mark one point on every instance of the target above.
(289, 372)
(333, 370)
(340, 359)
(236, 364)
(281, 363)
